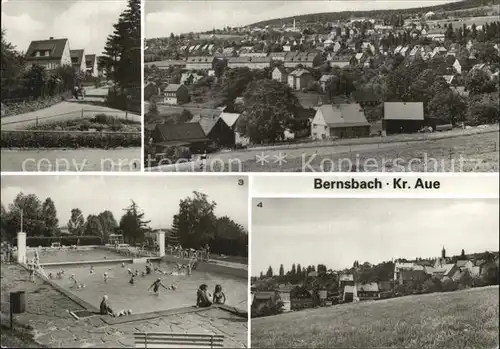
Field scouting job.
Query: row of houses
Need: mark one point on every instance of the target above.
(55, 53)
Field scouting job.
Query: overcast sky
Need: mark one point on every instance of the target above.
(336, 232)
(86, 24)
(173, 16)
(158, 197)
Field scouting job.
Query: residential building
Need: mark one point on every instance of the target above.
(263, 301)
(284, 295)
(249, 62)
(200, 62)
(457, 66)
(403, 117)
(190, 135)
(51, 54)
(166, 64)
(407, 276)
(340, 61)
(367, 291)
(306, 59)
(339, 121)
(216, 130)
(91, 63)
(77, 60)
(175, 94)
(231, 120)
(299, 79)
(279, 74)
(278, 56)
(300, 298)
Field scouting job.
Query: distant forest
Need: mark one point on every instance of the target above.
(378, 14)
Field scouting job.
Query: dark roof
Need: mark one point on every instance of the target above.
(90, 58)
(187, 132)
(76, 54)
(343, 115)
(413, 275)
(404, 111)
(172, 88)
(206, 123)
(55, 46)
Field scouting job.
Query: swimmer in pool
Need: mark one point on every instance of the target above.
(143, 273)
(123, 265)
(50, 276)
(132, 279)
(129, 270)
(156, 286)
(136, 272)
(92, 270)
(106, 277)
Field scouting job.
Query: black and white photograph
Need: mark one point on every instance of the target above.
(374, 273)
(321, 86)
(137, 261)
(71, 85)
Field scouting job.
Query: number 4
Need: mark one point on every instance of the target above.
(259, 204)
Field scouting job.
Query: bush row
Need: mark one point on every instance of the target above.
(31, 105)
(68, 140)
(35, 241)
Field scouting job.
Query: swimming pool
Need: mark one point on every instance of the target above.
(123, 295)
(73, 255)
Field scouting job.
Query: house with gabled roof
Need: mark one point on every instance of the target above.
(78, 60)
(217, 130)
(175, 94)
(51, 54)
(173, 135)
(339, 121)
(403, 117)
(299, 79)
(91, 63)
(279, 74)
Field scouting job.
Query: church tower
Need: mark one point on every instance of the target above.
(443, 253)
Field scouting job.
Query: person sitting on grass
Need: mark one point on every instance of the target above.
(156, 286)
(219, 296)
(202, 298)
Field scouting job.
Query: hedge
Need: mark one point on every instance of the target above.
(35, 241)
(62, 139)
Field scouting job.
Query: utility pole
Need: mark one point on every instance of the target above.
(21, 220)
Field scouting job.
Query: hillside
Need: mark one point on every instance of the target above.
(462, 319)
(376, 14)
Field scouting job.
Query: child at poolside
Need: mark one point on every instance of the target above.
(219, 296)
(105, 307)
(31, 269)
(156, 286)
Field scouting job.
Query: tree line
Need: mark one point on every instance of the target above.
(194, 226)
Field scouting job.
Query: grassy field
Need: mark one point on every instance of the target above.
(474, 150)
(455, 320)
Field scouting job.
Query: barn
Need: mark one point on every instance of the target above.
(403, 117)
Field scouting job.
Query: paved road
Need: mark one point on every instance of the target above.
(44, 160)
(67, 110)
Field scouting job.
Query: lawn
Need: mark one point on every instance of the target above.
(455, 320)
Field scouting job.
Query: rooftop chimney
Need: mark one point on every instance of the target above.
(51, 38)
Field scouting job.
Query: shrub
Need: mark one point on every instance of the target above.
(449, 285)
(69, 140)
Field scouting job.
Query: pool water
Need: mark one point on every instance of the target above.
(69, 255)
(123, 295)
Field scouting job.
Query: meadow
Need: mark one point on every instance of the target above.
(454, 320)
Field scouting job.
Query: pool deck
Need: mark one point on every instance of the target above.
(48, 319)
(101, 261)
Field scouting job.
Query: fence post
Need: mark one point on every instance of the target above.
(82, 113)
(451, 153)
(126, 115)
(37, 121)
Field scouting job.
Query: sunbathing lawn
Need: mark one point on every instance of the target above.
(455, 320)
